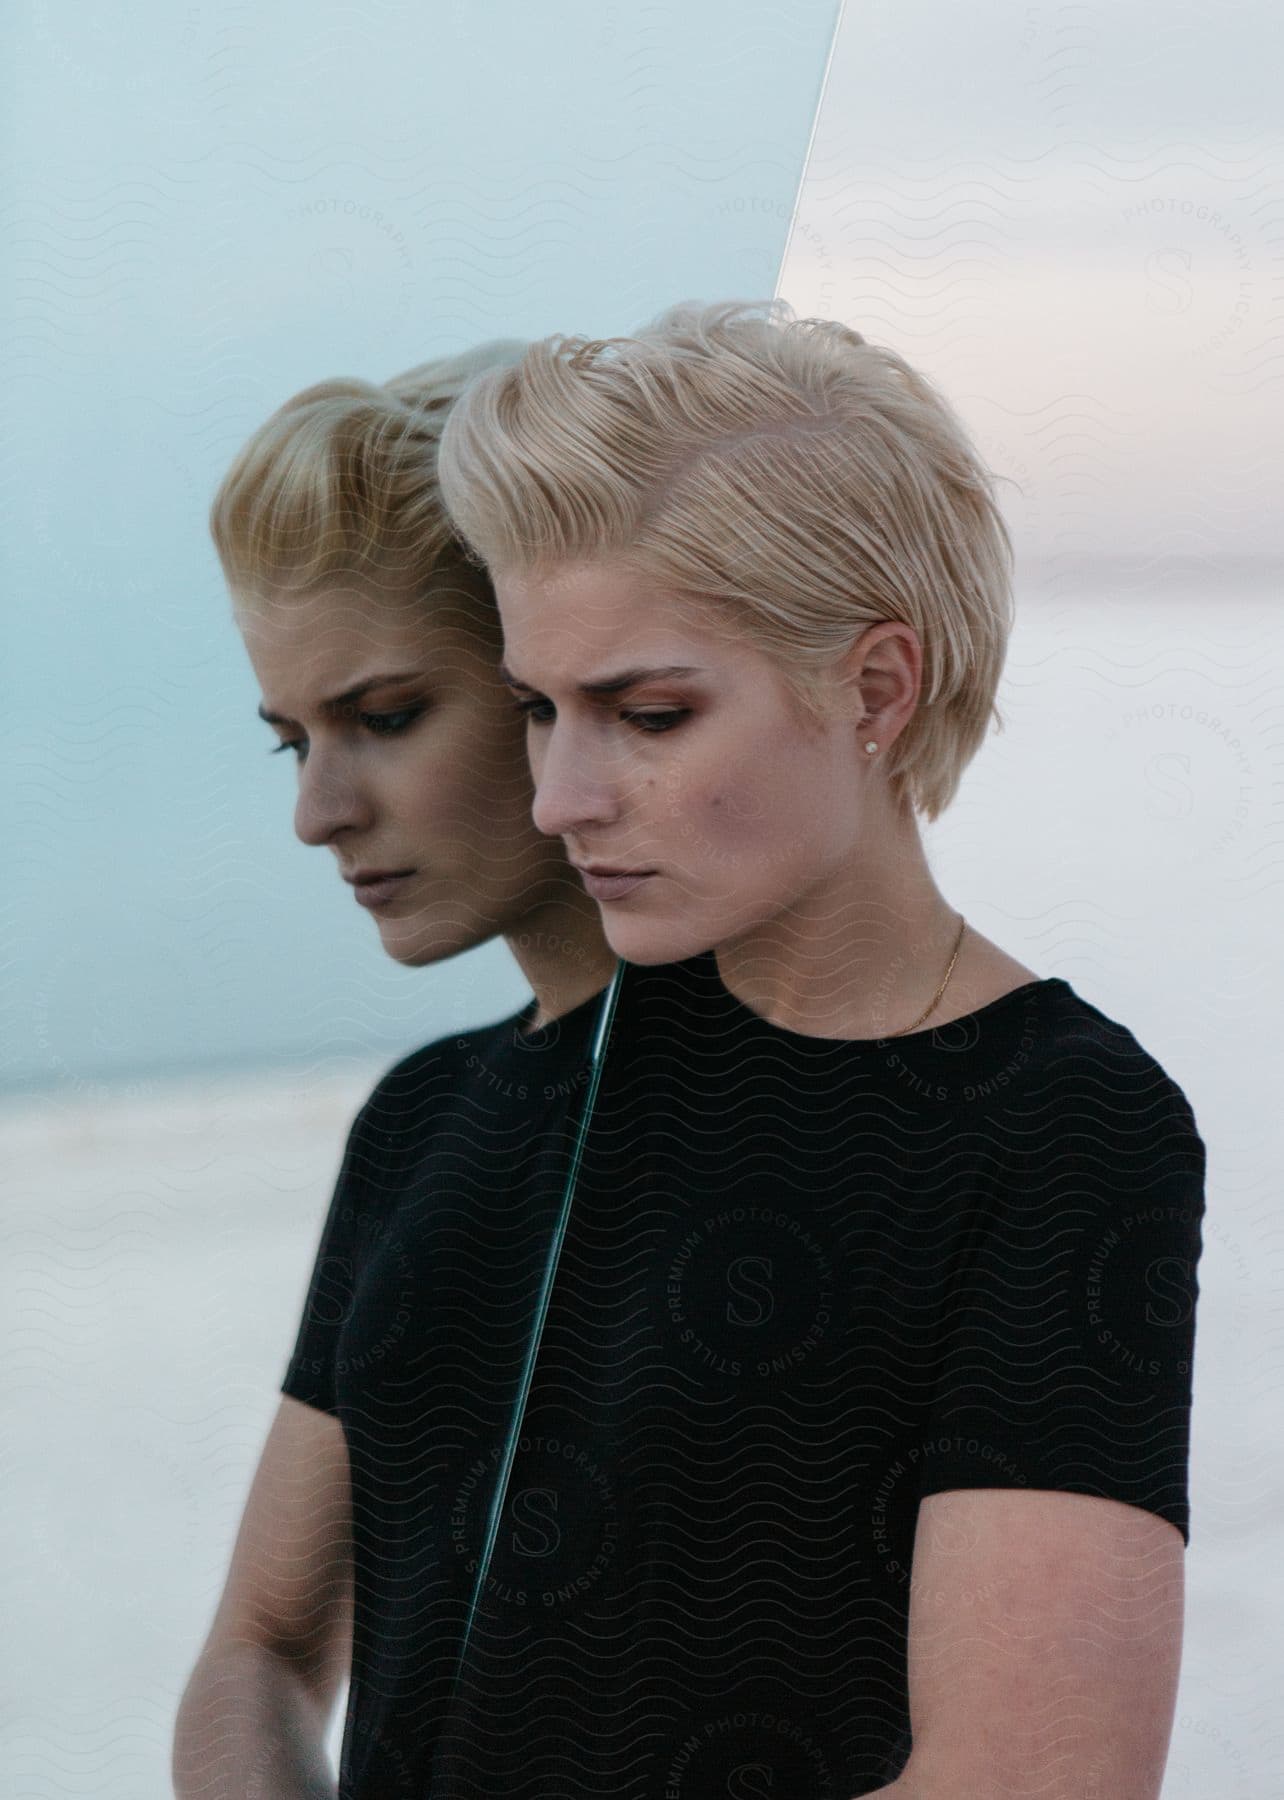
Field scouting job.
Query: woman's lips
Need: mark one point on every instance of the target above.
(613, 887)
(378, 893)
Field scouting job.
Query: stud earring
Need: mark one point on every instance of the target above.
(871, 746)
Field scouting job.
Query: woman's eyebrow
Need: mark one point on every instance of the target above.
(609, 684)
(338, 701)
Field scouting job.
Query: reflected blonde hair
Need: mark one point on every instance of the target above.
(339, 487)
(784, 475)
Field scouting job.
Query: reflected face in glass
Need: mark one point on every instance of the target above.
(421, 774)
(664, 748)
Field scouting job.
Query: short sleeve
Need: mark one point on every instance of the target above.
(1067, 1332)
(310, 1373)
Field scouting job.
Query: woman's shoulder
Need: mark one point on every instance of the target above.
(418, 1081)
(1076, 1036)
(1114, 1079)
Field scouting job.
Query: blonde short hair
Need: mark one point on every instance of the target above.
(339, 485)
(802, 483)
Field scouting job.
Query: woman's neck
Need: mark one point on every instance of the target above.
(863, 953)
(561, 950)
(857, 979)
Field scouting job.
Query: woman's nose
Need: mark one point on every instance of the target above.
(330, 797)
(573, 790)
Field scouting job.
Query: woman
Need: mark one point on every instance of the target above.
(375, 648)
(875, 1312)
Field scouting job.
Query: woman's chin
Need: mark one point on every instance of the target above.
(648, 942)
(418, 945)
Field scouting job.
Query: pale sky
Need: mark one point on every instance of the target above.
(1071, 217)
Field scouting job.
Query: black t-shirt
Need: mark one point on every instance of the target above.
(804, 1283)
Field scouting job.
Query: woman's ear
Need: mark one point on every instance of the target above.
(880, 677)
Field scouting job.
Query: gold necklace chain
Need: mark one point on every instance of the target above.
(940, 990)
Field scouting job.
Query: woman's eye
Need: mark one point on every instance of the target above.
(388, 724)
(380, 724)
(539, 712)
(658, 721)
(528, 709)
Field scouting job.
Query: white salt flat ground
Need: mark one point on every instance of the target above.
(157, 1248)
